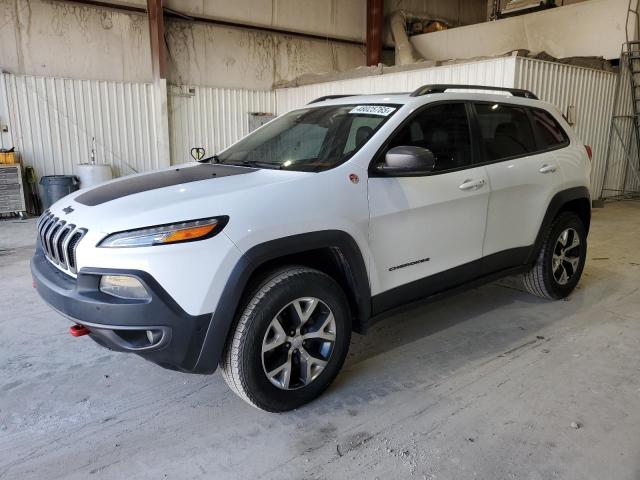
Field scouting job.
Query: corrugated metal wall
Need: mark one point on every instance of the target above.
(52, 122)
(591, 91)
(623, 168)
(497, 72)
(212, 118)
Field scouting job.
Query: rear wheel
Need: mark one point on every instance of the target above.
(290, 340)
(561, 259)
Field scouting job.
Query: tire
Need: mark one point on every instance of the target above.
(286, 299)
(545, 278)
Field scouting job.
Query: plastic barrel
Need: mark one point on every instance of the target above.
(54, 187)
(93, 174)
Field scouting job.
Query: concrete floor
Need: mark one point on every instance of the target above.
(483, 385)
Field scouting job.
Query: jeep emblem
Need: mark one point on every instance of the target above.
(67, 210)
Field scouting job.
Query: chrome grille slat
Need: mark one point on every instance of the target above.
(43, 225)
(59, 240)
(71, 248)
(45, 234)
(55, 238)
(65, 245)
(48, 237)
(41, 221)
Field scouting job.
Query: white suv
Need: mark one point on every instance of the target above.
(263, 259)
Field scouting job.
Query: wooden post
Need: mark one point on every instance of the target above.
(375, 17)
(156, 33)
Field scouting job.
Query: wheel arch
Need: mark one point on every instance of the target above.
(577, 200)
(333, 252)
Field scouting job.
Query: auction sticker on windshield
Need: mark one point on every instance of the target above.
(374, 110)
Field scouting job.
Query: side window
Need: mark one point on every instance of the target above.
(505, 130)
(443, 129)
(550, 133)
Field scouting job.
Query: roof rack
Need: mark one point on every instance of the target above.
(427, 89)
(330, 97)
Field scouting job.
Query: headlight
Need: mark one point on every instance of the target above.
(123, 286)
(165, 234)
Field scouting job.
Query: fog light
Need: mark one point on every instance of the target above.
(123, 286)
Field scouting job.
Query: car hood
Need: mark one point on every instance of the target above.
(185, 192)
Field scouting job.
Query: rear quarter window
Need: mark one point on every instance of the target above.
(548, 131)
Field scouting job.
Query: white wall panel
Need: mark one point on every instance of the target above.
(590, 91)
(497, 72)
(212, 118)
(52, 122)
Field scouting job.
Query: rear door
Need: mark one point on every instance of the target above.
(518, 146)
(424, 225)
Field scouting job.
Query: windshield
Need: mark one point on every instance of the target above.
(312, 139)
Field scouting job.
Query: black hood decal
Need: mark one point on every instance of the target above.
(151, 181)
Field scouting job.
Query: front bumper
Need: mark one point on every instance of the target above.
(121, 324)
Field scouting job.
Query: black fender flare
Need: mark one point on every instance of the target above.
(558, 201)
(224, 315)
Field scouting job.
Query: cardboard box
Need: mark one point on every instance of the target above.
(8, 157)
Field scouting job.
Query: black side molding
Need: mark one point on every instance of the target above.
(470, 274)
(480, 271)
(232, 294)
(557, 203)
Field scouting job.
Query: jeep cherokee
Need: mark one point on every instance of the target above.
(264, 258)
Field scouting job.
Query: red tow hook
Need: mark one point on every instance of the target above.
(79, 330)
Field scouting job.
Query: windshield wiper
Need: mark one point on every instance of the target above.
(273, 166)
(254, 163)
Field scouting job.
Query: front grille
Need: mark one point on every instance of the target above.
(59, 240)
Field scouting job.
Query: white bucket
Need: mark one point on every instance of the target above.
(91, 174)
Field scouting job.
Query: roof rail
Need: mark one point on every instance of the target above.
(330, 97)
(427, 89)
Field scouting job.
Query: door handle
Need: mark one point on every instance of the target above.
(472, 184)
(547, 168)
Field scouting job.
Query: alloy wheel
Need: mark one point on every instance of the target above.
(566, 256)
(298, 343)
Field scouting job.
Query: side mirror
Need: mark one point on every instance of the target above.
(408, 160)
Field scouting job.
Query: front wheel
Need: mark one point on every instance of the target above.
(561, 259)
(290, 341)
